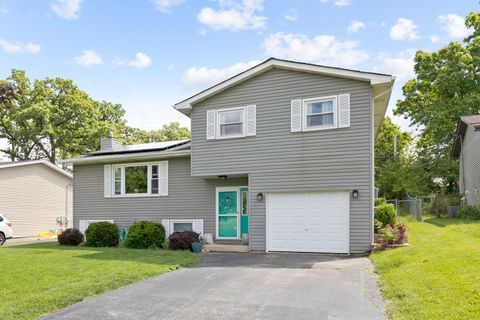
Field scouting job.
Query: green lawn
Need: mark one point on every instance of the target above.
(41, 278)
(438, 276)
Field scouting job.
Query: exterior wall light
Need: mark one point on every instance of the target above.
(355, 194)
(223, 177)
(259, 196)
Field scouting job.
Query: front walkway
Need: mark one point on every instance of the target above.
(246, 286)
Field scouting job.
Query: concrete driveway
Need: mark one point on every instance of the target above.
(246, 286)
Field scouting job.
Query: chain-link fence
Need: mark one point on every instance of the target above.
(436, 205)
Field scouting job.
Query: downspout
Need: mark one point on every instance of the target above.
(372, 157)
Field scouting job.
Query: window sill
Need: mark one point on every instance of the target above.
(138, 195)
(321, 128)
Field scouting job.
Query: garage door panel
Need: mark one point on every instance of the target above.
(308, 222)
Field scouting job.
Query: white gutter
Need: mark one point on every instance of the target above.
(372, 157)
(128, 156)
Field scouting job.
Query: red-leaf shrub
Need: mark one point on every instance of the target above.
(70, 237)
(183, 240)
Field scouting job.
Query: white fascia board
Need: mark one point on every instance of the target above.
(127, 157)
(373, 78)
(44, 162)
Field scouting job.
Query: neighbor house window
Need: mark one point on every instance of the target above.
(231, 123)
(137, 179)
(320, 113)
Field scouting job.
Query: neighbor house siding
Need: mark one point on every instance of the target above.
(470, 166)
(278, 160)
(188, 197)
(33, 196)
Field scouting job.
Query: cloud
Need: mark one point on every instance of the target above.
(205, 77)
(291, 15)
(166, 5)
(404, 30)
(67, 9)
(454, 26)
(338, 3)
(88, 58)
(234, 15)
(19, 47)
(434, 39)
(355, 26)
(324, 49)
(400, 65)
(141, 61)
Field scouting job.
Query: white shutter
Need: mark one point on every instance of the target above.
(296, 115)
(163, 178)
(211, 124)
(166, 225)
(251, 120)
(344, 110)
(198, 227)
(107, 181)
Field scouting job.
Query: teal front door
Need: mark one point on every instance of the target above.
(231, 212)
(244, 211)
(228, 213)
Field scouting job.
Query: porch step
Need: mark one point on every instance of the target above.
(218, 247)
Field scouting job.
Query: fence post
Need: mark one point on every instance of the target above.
(419, 212)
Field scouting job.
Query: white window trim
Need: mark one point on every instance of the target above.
(149, 180)
(172, 223)
(244, 120)
(319, 99)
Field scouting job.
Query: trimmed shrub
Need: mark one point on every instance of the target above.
(182, 240)
(102, 234)
(144, 235)
(469, 212)
(380, 201)
(70, 237)
(386, 214)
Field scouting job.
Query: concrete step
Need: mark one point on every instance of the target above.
(218, 247)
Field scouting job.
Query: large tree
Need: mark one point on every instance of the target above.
(53, 119)
(446, 86)
(400, 174)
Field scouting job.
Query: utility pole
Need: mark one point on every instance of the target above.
(394, 147)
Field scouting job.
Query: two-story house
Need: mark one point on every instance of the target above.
(281, 153)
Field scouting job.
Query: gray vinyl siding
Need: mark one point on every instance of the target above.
(278, 160)
(188, 197)
(470, 166)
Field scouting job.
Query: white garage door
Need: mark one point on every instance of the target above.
(308, 222)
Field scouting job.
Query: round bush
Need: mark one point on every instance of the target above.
(386, 214)
(145, 234)
(182, 240)
(380, 201)
(102, 234)
(70, 237)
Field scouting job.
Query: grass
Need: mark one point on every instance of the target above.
(41, 278)
(438, 276)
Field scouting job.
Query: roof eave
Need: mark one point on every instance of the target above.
(127, 157)
(185, 106)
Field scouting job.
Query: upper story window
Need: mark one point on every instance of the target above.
(231, 123)
(142, 179)
(320, 113)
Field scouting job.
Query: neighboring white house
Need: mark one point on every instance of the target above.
(36, 196)
(466, 149)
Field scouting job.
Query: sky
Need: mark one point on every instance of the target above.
(149, 54)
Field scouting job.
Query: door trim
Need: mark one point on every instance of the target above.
(267, 217)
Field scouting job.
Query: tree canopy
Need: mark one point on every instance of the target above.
(446, 86)
(53, 119)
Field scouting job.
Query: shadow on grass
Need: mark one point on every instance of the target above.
(444, 222)
(167, 258)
